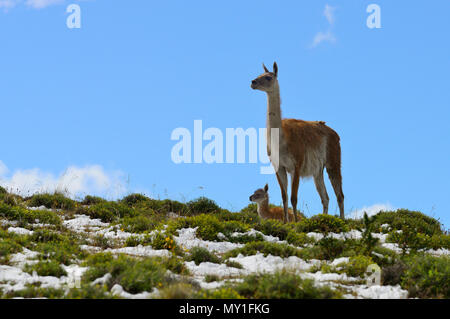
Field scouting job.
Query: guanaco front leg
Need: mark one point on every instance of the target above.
(283, 181)
(295, 180)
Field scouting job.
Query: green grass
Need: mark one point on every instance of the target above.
(133, 275)
(282, 285)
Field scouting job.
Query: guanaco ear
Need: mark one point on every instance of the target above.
(275, 68)
(265, 69)
(266, 188)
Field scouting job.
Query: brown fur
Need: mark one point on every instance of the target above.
(302, 136)
(278, 213)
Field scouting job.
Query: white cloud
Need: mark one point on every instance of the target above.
(74, 181)
(35, 4)
(329, 13)
(8, 4)
(322, 37)
(39, 4)
(371, 210)
(328, 36)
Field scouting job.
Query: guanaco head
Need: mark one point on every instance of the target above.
(267, 81)
(260, 195)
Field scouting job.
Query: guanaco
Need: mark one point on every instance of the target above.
(303, 148)
(261, 198)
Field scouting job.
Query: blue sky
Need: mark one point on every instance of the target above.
(100, 103)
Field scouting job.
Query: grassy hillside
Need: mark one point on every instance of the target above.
(55, 247)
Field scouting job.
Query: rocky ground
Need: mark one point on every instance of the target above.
(54, 247)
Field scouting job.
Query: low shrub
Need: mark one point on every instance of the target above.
(282, 285)
(56, 201)
(211, 278)
(245, 216)
(36, 292)
(10, 199)
(232, 226)
(62, 248)
(330, 247)
(45, 236)
(165, 206)
(46, 268)
(323, 223)
(274, 228)
(202, 205)
(245, 238)
(24, 216)
(392, 274)
(134, 241)
(165, 241)
(135, 200)
(219, 293)
(109, 211)
(88, 291)
(299, 239)
(92, 200)
(416, 221)
(134, 275)
(357, 266)
(179, 290)
(251, 208)
(200, 254)
(8, 247)
(233, 264)
(266, 248)
(208, 226)
(101, 241)
(427, 276)
(408, 238)
(140, 224)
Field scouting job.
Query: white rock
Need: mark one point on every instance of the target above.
(20, 231)
(187, 238)
(117, 290)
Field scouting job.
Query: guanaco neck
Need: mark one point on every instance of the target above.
(274, 120)
(274, 108)
(263, 209)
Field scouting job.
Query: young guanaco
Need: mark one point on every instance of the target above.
(261, 198)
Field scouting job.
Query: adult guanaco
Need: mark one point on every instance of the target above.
(303, 148)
